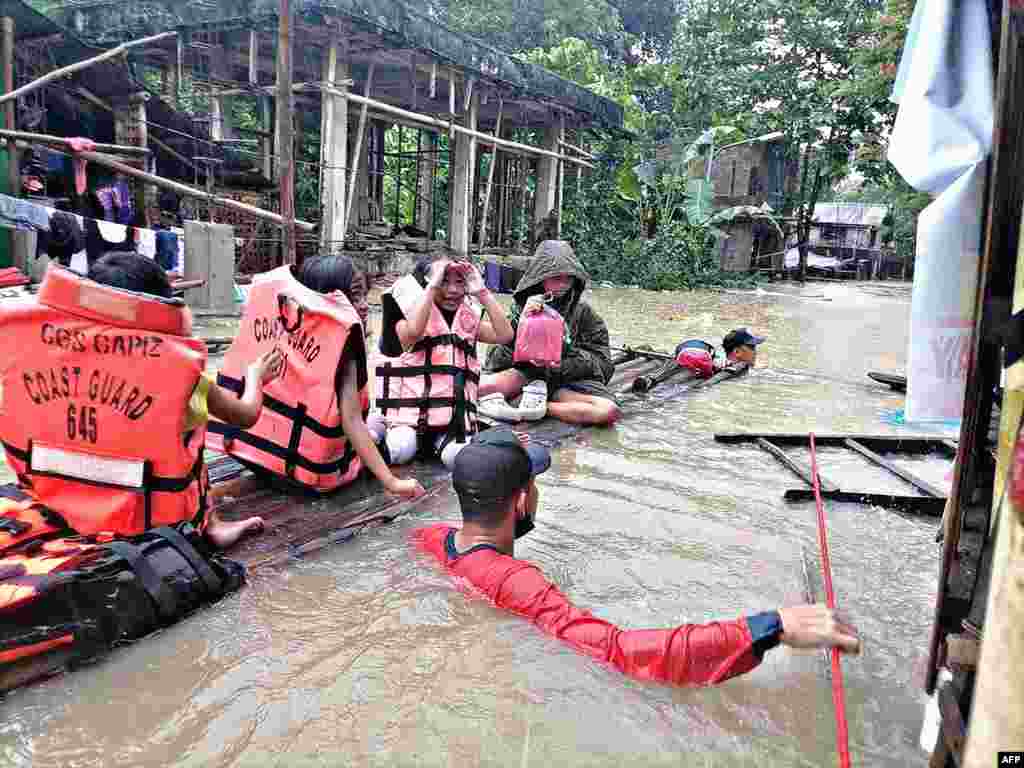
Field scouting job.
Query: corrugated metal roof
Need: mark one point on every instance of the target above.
(109, 23)
(850, 213)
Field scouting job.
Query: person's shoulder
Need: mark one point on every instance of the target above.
(431, 539)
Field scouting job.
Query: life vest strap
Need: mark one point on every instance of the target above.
(427, 344)
(398, 372)
(159, 591)
(296, 414)
(267, 446)
(13, 526)
(202, 568)
(416, 402)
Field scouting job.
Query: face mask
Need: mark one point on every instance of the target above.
(523, 526)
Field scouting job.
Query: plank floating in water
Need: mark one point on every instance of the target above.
(798, 469)
(924, 505)
(900, 472)
(883, 443)
(899, 383)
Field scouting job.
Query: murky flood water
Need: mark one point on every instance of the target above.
(367, 655)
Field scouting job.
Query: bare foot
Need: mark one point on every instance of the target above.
(224, 534)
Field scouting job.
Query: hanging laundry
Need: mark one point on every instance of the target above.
(145, 242)
(97, 242)
(124, 206)
(64, 239)
(105, 201)
(167, 250)
(80, 144)
(22, 213)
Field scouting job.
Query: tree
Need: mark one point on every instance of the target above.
(783, 66)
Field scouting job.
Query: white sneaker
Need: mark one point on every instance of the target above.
(533, 405)
(494, 406)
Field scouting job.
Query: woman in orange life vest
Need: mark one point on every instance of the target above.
(132, 272)
(426, 386)
(337, 275)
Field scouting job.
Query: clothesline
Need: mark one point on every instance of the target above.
(25, 214)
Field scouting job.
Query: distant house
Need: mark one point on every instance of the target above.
(750, 174)
(848, 230)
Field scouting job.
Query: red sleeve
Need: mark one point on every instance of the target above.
(690, 654)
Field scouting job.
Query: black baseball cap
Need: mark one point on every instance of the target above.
(495, 464)
(739, 338)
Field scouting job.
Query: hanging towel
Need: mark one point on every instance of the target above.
(22, 213)
(145, 243)
(96, 242)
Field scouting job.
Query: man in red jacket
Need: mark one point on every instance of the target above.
(494, 479)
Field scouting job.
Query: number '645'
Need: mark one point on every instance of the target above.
(82, 423)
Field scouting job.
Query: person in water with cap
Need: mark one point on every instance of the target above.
(494, 478)
(740, 345)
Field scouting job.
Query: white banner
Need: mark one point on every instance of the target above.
(942, 136)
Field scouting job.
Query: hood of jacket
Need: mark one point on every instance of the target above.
(553, 257)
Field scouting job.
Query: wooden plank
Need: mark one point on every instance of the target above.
(883, 443)
(804, 473)
(490, 180)
(922, 505)
(463, 174)
(667, 371)
(333, 148)
(953, 731)
(7, 61)
(899, 383)
(285, 130)
(358, 152)
(904, 474)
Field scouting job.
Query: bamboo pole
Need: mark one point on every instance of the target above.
(184, 189)
(285, 130)
(487, 138)
(113, 149)
(358, 149)
(7, 61)
(490, 177)
(577, 150)
(39, 82)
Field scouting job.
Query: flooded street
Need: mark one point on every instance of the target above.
(368, 655)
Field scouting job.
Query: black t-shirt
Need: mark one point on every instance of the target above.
(390, 344)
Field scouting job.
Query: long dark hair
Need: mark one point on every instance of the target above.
(326, 274)
(131, 272)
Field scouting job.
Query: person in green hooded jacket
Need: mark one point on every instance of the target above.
(576, 391)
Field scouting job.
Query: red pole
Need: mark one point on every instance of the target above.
(838, 700)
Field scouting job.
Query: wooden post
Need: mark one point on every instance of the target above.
(179, 65)
(427, 169)
(359, 152)
(217, 118)
(7, 55)
(490, 177)
(334, 147)
(561, 172)
(546, 196)
(285, 129)
(267, 142)
(462, 183)
(254, 57)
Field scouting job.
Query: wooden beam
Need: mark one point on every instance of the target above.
(883, 443)
(804, 473)
(451, 91)
(433, 79)
(184, 189)
(358, 151)
(285, 129)
(487, 138)
(333, 147)
(254, 57)
(462, 184)
(469, 94)
(490, 180)
(887, 465)
(923, 505)
(115, 149)
(49, 77)
(7, 61)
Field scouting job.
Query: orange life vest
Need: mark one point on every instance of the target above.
(299, 433)
(433, 384)
(96, 383)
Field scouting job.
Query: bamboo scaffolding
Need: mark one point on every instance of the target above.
(39, 82)
(113, 149)
(184, 189)
(490, 178)
(577, 150)
(358, 148)
(454, 128)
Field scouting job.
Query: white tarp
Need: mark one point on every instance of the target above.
(942, 135)
(792, 260)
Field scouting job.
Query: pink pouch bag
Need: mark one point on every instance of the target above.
(539, 338)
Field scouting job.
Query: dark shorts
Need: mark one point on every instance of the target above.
(593, 387)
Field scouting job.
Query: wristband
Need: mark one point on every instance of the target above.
(765, 631)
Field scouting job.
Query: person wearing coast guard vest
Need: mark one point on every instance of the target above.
(426, 383)
(96, 417)
(312, 430)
